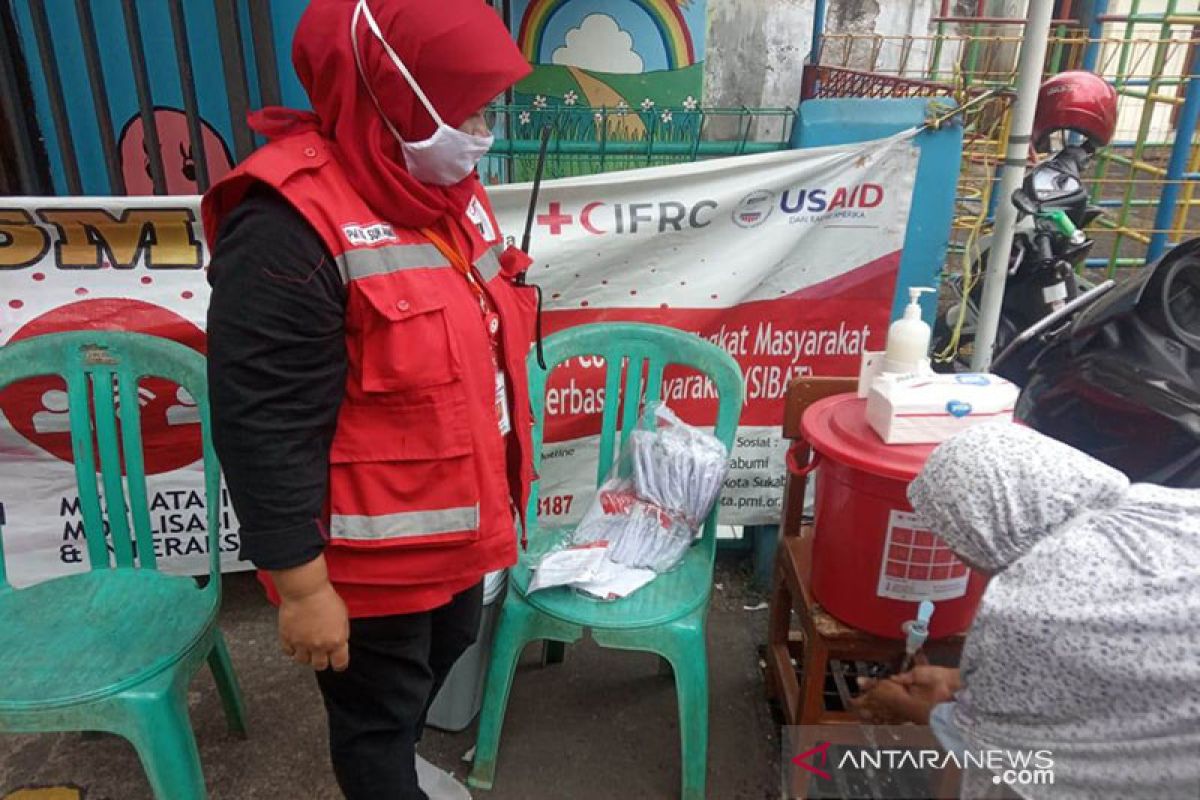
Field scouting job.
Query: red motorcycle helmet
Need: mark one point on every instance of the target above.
(1076, 101)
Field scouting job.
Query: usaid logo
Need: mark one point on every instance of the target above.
(372, 233)
(831, 204)
(754, 209)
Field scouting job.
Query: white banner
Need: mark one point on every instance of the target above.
(787, 260)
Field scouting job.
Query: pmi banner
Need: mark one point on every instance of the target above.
(787, 260)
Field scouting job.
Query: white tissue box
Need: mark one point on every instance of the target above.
(871, 367)
(928, 409)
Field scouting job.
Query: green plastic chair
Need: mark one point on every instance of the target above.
(667, 616)
(114, 649)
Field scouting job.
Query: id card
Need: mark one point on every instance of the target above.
(502, 404)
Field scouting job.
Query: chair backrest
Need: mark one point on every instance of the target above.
(801, 394)
(96, 366)
(642, 353)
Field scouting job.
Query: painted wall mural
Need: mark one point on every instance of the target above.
(640, 61)
(618, 69)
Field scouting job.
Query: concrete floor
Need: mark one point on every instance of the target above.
(601, 725)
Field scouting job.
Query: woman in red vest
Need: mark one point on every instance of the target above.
(367, 340)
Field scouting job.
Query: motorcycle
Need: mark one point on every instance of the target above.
(1049, 244)
(1049, 249)
(1116, 372)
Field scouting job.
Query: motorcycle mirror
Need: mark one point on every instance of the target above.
(1023, 202)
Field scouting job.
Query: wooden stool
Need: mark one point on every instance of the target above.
(820, 639)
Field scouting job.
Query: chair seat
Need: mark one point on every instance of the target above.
(669, 596)
(84, 636)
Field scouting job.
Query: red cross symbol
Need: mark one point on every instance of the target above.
(555, 220)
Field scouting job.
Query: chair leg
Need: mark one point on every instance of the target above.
(691, 689)
(519, 624)
(162, 735)
(682, 644)
(227, 685)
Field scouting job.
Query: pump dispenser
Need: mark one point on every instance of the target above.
(907, 346)
(908, 403)
(908, 337)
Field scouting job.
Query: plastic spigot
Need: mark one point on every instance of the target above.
(917, 630)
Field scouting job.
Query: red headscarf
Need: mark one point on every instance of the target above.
(458, 51)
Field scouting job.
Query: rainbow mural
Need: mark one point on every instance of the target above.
(667, 16)
(644, 55)
(608, 71)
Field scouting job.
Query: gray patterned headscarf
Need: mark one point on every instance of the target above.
(1087, 642)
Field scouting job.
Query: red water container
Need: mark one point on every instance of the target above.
(873, 561)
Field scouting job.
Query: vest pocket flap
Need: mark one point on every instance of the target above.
(407, 344)
(400, 300)
(433, 427)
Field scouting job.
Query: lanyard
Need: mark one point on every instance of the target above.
(491, 319)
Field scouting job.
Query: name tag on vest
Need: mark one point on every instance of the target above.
(479, 217)
(502, 404)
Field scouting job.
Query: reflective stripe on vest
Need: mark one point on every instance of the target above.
(404, 524)
(488, 264)
(367, 261)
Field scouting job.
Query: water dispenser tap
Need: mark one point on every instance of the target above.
(916, 631)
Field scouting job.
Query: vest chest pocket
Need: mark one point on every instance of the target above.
(405, 335)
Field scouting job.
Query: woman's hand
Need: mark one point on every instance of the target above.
(935, 684)
(314, 627)
(908, 697)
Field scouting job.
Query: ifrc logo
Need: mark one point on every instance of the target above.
(369, 234)
(821, 753)
(599, 218)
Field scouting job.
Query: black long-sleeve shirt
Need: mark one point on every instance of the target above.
(276, 371)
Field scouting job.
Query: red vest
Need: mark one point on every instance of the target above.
(423, 487)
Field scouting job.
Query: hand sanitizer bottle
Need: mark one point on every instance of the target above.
(908, 337)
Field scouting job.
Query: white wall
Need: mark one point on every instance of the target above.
(756, 48)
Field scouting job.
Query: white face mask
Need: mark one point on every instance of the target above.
(445, 158)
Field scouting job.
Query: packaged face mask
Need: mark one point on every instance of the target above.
(661, 490)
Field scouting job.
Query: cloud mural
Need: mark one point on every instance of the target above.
(599, 45)
(611, 54)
